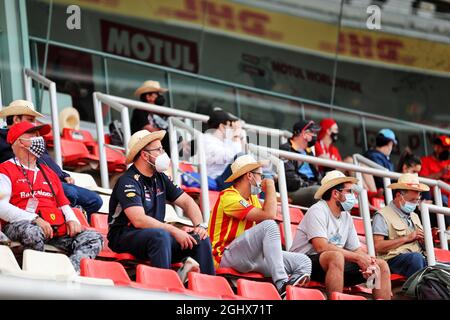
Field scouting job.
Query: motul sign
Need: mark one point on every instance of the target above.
(149, 46)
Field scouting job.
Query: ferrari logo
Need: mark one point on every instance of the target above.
(52, 216)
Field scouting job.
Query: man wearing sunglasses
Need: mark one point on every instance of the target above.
(397, 230)
(302, 178)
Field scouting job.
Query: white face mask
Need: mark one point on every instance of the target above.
(162, 162)
(228, 133)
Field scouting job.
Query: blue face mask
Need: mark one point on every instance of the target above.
(408, 207)
(255, 189)
(349, 202)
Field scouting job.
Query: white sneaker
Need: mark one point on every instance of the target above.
(189, 265)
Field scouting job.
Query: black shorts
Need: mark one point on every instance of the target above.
(352, 275)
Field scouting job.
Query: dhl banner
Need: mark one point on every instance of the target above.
(282, 29)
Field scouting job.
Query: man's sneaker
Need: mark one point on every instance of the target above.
(189, 265)
(296, 280)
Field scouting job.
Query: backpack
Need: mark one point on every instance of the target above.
(430, 283)
(116, 133)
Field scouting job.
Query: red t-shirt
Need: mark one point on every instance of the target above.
(21, 193)
(331, 151)
(431, 165)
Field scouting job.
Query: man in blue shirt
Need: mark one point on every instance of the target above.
(385, 142)
(138, 204)
(302, 178)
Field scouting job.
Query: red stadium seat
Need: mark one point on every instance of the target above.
(359, 226)
(75, 154)
(100, 222)
(105, 270)
(442, 255)
(282, 234)
(186, 167)
(211, 286)
(81, 218)
(296, 293)
(343, 296)
(231, 273)
(378, 203)
(295, 213)
(257, 290)
(159, 279)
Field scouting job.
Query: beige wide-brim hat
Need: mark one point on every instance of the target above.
(409, 181)
(242, 165)
(69, 118)
(331, 179)
(149, 86)
(18, 108)
(139, 140)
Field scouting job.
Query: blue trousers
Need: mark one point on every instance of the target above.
(159, 247)
(407, 264)
(89, 200)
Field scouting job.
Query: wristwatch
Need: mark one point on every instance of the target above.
(203, 225)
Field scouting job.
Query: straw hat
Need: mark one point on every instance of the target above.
(18, 108)
(331, 179)
(242, 165)
(149, 86)
(69, 118)
(409, 181)
(139, 140)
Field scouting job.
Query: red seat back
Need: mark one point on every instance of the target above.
(81, 217)
(296, 293)
(257, 290)
(282, 234)
(157, 278)
(359, 226)
(104, 270)
(186, 167)
(77, 135)
(206, 284)
(100, 222)
(344, 296)
(295, 213)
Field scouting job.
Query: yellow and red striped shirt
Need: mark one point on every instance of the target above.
(228, 220)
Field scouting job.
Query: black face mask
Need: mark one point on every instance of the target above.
(444, 155)
(334, 136)
(160, 100)
(312, 142)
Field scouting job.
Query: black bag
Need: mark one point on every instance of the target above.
(430, 283)
(116, 133)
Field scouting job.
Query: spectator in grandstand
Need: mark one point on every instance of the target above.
(150, 92)
(437, 166)
(397, 231)
(137, 209)
(223, 140)
(244, 235)
(385, 142)
(302, 178)
(327, 235)
(35, 209)
(409, 163)
(21, 110)
(324, 147)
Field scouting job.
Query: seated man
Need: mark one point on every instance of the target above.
(397, 230)
(302, 178)
(22, 110)
(327, 235)
(245, 237)
(34, 210)
(138, 205)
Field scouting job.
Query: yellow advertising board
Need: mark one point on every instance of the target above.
(282, 29)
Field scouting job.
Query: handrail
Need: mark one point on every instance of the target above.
(198, 136)
(241, 87)
(29, 75)
(282, 188)
(425, 210)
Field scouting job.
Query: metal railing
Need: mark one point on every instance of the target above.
(425, 209)
(198, 137)
(29, 75)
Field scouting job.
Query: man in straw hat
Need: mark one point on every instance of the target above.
(35, 210)
(397, 230)
(138, 205)
(244, 235)
(327, 235)
(150, 92)
(22, 110)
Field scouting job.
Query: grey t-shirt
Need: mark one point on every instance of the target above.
(319, 222)
(379, 224)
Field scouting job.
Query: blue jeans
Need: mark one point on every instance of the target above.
(159, 247)
(407, 264)
(87, 199)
